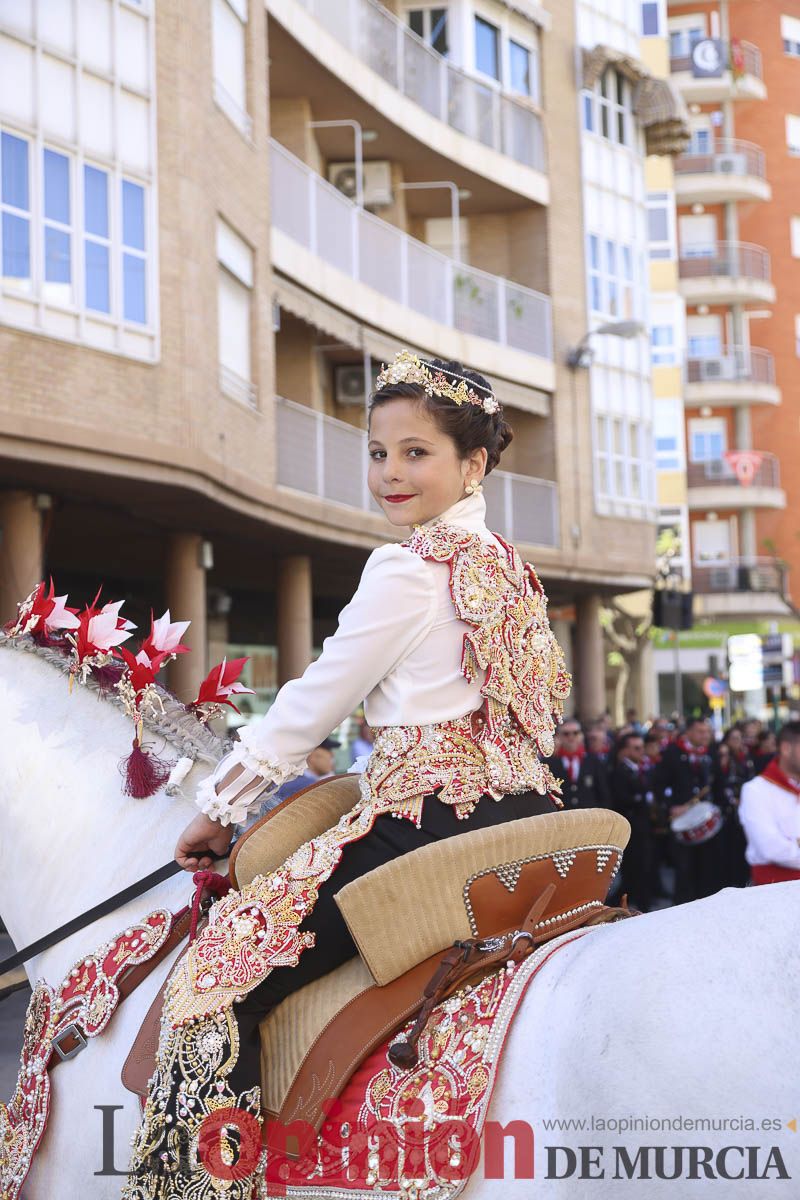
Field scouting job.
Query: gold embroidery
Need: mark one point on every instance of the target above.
(498, 750)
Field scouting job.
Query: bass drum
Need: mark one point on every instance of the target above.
(698, 824)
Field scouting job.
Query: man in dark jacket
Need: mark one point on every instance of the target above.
(631, 796)
(683, 777)
(583, 775)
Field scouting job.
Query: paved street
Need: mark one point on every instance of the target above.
(12, 1015)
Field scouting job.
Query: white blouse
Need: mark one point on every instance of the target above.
(397, 648)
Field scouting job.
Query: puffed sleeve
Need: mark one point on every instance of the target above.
(392, 610)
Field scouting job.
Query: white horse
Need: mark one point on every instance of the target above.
(683, 1015)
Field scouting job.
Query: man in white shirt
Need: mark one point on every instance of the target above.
(770, 813)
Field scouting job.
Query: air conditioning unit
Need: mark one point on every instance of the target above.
(731, 164)
(348, 383)
(377, 182)
(712, 369)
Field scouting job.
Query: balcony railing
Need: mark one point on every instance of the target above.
(751, 56)
(718, 472)
(739, 575)
(729, 259)
(394, 52)
(312, 212)
(730, 156)
(328, 458)
(738, 364)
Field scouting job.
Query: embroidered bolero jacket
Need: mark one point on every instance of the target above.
(447, 643)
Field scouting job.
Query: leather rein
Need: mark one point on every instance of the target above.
(80, 922)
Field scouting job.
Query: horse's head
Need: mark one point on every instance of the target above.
(69, 835)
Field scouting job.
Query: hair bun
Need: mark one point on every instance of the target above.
(504, 435)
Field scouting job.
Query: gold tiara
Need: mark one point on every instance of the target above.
(436, 381)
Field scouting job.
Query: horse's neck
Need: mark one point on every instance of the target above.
(70, 838)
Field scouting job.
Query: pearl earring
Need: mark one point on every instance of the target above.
(474, 488)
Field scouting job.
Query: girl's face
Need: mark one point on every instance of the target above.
(414, 470)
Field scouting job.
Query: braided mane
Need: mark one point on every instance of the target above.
(182, 728)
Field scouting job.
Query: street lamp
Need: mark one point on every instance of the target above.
(581, 355)
(359, 136)
(457, 194)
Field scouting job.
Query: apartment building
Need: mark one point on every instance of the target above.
(218, 218)
(735, 192)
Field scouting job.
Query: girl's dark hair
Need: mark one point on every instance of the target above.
(467, 424)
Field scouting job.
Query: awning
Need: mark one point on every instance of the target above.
(530, 9)
(317, 312)
(595, 62)
(662, 113)
(657, 104)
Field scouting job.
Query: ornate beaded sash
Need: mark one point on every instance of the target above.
(497, 750)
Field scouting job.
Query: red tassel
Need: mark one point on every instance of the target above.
(207, 884)
(143, 773)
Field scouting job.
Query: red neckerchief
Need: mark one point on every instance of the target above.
(695, 753)
(775, 775)
(572, 762)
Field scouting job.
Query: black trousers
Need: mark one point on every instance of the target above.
(388, 839)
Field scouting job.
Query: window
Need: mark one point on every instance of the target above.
(698, 236)
(610, 277)
(15, 196)
(431, 25)
(621, 470)
(235, 286)
(682, 40)
(661, 224)
(793, 133)
(790, 32)
(711, 541)
(134, 260)
(704, 336)
(707, 440)
(229, 22)
(669, 435)
(57, 228)
(523, 70)
(794, 236)
(662, 343)
(96, 244)
(702, 140)
(650, 20)
(76, 232)
(607, 109)
(487, 48)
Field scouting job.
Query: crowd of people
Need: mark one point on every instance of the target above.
(695, 826)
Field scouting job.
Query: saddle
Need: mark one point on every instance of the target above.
(493, 892)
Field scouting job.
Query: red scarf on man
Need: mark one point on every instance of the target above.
(696, 753)
(775, 775)
(770, 872)
(572, 762)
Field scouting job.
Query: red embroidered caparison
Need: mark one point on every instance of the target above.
(493, 751)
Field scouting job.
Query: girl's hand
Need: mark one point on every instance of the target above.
(202, 841)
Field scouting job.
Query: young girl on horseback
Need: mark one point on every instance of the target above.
(446, 641)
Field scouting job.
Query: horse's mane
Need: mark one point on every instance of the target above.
(182, 728)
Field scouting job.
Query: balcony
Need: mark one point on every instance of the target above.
(746, 83)
(390, 280)
(742, 375)
(733, 170)
(716, 485)
(499, 135)
(732, 273)
(323, 457)
(740, 587)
